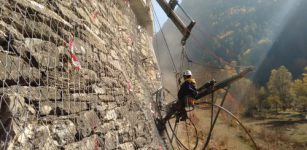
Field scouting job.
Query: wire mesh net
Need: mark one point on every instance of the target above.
(41, 72)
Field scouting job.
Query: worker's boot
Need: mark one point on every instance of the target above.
(184, 116)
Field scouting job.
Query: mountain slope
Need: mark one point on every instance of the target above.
(240, 32)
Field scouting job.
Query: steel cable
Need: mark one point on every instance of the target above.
(233, 116)
(166, 43)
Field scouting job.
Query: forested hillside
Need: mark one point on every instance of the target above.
(229, 36)
(262, 33)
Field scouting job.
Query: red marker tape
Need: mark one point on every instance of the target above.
(74, 58)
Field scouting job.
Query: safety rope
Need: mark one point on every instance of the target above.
(188, 136)
(182, 57)
(173, 130)
(166, 43)
(187, 131)
(179, 141)
(158, 100)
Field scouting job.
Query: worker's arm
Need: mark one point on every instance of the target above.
(192, 89)
(207, 85)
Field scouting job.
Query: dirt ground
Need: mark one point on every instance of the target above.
(285, 131)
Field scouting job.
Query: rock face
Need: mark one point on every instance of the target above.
(77, 74)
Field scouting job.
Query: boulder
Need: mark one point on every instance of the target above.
(110, 115)
(126, 146)
(70, 107)
(87, 123)
(39, 93)
(92, 142)
(63, 131)
(41, 50)
(14, 70)
(111, 140)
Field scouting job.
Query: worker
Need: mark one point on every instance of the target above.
(186, 92)
(187, 89)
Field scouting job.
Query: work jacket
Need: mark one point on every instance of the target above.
(187, 88)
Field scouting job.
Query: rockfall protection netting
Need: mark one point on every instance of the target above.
(68, 66)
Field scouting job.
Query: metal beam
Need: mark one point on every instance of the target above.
(204, 90)
(169, 10)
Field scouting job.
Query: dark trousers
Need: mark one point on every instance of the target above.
(177, 109)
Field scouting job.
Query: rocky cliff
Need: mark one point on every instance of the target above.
(77, 74)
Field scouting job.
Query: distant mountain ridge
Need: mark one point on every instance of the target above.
(242, 32)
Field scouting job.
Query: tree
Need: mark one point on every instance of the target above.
(274, 101)
(261, 96)
(250, 101)
(305, 76)
(299, 89)
(279, 87)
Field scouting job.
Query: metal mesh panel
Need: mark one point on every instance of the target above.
(36, 75)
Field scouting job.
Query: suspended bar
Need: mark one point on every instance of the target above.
(173, 3)
(204, 90)
(169, 10)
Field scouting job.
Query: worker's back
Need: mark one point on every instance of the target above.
(187, 88)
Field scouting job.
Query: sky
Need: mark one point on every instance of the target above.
(160, 13)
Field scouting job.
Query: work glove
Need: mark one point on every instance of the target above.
(195, 93)
(212, 82)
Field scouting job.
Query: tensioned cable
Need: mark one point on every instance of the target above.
(174, 134)
(169, 51)
(160, 115)
(213, 121)
(178, 140)
(212, 66)
(212, 53)
(233, 116)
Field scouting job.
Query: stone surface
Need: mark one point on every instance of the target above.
(111, 140)
(69, 107)
(91, 142)
(140, 141)
(64, 131)
(41, 93)
(15, 70)
(98, 90)
(111, 115)
(43, 139)
(84, 97)
(40, 50)
(126, 146)
(87, 123)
